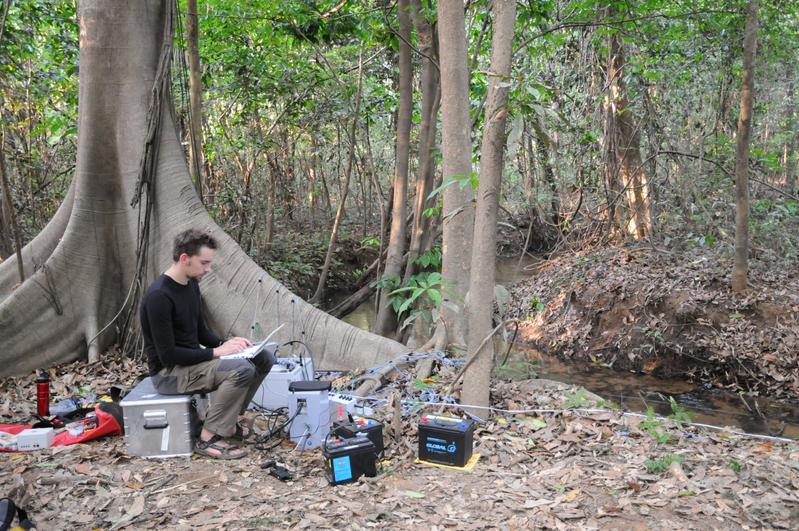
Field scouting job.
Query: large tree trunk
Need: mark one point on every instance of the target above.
(386, 321)
(456, 147)
(740, 267)
(481, 287)
(86, 255)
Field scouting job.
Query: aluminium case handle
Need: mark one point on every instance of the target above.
(155, 419)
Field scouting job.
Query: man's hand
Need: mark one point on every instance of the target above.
(232, 346)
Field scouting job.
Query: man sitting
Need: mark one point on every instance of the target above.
(186, 357)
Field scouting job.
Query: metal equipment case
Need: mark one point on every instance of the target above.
(157, 425)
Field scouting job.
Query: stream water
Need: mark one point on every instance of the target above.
(630, 391)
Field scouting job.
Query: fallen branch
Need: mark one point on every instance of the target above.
(375, 381)
(352, 302)
(454, 387)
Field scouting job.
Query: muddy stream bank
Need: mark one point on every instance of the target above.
(628, 390)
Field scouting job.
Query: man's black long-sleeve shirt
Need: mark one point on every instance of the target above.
(173, 325)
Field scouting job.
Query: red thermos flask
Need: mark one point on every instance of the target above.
(43, 394)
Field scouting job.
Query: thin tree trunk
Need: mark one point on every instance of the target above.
(386, 320)
(532, 167)
(740, 268)
(543, 143)
(270, 208)
(321, 175)
(9, 204)
(289, 189)
(790, 146)
(318, 296)
(360, 172)
(385, 204)
(456, 147)
(313, 196)
(6, 226)
(481, 287)
(196, 164)
(246, 169)
(6, 245)
(626, 152)
(338, 157)
(425, 176)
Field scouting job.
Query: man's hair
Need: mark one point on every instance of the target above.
(190, 241)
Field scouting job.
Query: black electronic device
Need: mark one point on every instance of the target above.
(348, 459)
(280, 473)
(276, 470)
(361, 425)
(445, 440)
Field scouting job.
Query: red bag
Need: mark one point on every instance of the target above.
(107, 420)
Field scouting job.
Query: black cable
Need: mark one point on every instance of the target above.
(272, 416)
(259, 442)
(302, 356)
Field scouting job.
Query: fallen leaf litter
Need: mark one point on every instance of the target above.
(567, 469)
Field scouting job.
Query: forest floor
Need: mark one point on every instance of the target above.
(650, 310)
(553, 469)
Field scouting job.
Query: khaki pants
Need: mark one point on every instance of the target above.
(234, 383)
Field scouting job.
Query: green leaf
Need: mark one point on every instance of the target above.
(405, 306)
(537, 424)
(435, 278)
(449, 181)
(435, 296)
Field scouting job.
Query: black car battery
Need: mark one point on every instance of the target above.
(370, 427)
(348, 459)
(445, 440)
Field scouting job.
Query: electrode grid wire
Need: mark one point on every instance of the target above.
(594, 411)
(408, 357)
(439, 356)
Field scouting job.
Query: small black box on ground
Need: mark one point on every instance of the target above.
(348, 459)
(445, 440)
(372, 428)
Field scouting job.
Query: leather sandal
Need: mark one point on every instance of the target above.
(225, 450)
(239, 435)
